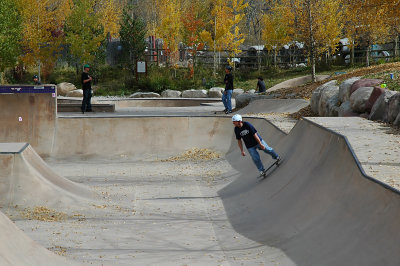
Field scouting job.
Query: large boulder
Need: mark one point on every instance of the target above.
(171, 94)
(194, 94)
(328, 92)
(145, 95)
(316, 95)
(244, 99)
(394, 107)
(345, 110)
(397, 121)
(215, 92)
(376, 92)
(359, 99)
(332, 105)
(237, 92)
(75, 93)
(364, 83)
(344, 88)
(380, 108)
(64, 87)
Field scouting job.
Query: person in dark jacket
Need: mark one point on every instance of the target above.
(87, 89)
(261, 85)
(227, 95)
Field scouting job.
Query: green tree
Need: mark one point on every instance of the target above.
(133, 34)
(10, 34)
(84, 31)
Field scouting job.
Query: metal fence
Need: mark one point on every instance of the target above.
(257, 59)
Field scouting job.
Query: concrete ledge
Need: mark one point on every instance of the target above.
(76, 107)
(12, 148)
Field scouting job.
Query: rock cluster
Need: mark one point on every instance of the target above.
(215, 92)
(357, 97)
(69, 90)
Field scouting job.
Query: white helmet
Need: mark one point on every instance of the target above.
(236, 118)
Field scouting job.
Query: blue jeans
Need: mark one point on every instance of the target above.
(256, 157)
(86, 105)
(227, 100)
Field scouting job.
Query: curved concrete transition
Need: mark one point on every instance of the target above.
(317, 208)
(296, 82)
(274, 106)
(27, 181)
(18, 249)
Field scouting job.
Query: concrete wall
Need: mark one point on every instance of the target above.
(28, 117)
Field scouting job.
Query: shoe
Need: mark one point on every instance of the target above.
(262, 173)
(230, 111)
(278, 160)
(226, 112)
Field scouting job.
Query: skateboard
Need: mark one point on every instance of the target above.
(266, 173)
(222, 112)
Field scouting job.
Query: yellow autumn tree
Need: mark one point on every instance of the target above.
(234, 37)
(110, 13)
(367, 23)
(319, 25)
(224, 33)
(278, 26)
(43, 24)
(169, 26)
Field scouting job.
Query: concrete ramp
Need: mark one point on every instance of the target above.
(295, 82)
(274, 106)
(27, 181)
(18, 249)
(318, 207)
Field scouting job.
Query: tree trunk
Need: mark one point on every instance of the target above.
(215, 56)
(396, 46)
(312, 43)
(367, 57)
(77, 69)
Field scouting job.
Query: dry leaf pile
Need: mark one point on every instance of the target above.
(195, 154)
(41, 213)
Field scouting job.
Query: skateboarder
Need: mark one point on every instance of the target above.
(253, 141)
(227, 95)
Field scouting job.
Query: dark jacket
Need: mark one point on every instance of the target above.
(228, 80)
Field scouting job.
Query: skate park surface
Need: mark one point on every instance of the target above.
(133, 196)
